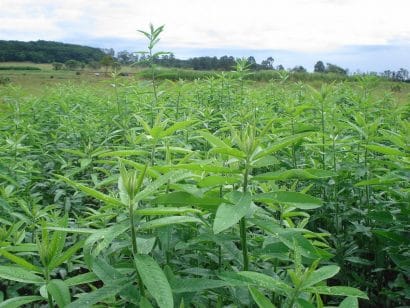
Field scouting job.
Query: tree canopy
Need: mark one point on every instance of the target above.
(47, 52)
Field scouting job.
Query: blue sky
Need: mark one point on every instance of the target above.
(365, 35)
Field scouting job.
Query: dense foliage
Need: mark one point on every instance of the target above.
(211, 193)
(47, 52)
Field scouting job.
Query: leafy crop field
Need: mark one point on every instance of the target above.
(220, 192)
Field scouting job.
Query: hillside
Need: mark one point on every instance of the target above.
(47, 52)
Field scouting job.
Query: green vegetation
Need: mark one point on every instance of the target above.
(47, 52)
(220, 192)
(19, 68)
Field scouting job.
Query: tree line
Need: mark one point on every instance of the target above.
(47, 52)
(72, 57)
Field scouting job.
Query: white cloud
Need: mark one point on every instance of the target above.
(299, 25)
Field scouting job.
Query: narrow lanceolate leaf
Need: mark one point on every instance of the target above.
(205, 167)
(177, 126)
(181, 198)
(229, 151)
(104, 238)
(123, 153)
(267, 282)
(171, 220)
(279, 145)
(173, 176)
(321, 274)
(298, 200)
(20, 301)
(382, 149)
(260, 299)
(213, 140)
(154, 280)
(59, 291)
(302, 174)
(227, 214)
(63, 257)
(107, 291)
(92, 192)
(81, 279)
(19, 274)
(153, 211)
(186, 285)
(144, 303)
(19, 261)
(349, 302)
(216, 180)
(341, 291)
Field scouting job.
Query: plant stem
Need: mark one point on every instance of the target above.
(242, 223)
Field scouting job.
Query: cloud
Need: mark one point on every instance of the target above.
(299, 25)
(366, 34)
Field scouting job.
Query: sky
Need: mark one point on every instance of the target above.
(361, 35)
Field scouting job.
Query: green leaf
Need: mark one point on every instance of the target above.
(181, 198)
(321, 274)
(295, 199)
(173, 176)
(81, 279)
(229, 151)
(74, 230)
(277, 146)
(154, 280)
(341, 291)
(59, 291)
(267, 282)
(384, 150)
(349, 302)
(290, 237)
(227, 214)
(166, 211)
(20, 301)
(56, 261)
(305, 304)
(216, 180)
(260, 299)
(111, 290)
(144, 303)
(186, 285)
(302, 174)
(177, 126)
(19, 261)
(19, 274)
(104, 238)
(92, 192)
(171, 220)
(205, 167)
(122, 153)
(213, 140)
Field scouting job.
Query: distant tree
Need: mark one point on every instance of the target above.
(332, 68)
(280, 67)
(298, 69)
(57, 66)
(402, 74)
(319, 67)
(124, 57)
(252, 63)
(72, 64)
(108, 51)
(267, 64)
(107, 61)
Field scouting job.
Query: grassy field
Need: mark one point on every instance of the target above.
(221, 192)
(37, 82)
